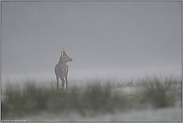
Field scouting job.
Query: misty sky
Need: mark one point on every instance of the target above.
(98, 36)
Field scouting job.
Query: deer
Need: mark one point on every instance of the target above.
(61, 69)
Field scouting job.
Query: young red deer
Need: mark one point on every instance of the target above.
(61, 69)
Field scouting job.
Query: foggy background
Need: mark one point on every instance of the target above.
(105, 39)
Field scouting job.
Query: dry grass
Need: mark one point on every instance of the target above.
(94, 98)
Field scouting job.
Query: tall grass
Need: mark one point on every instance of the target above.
(161, 93)
(90, 100)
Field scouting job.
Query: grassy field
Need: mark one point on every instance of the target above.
(90, 100)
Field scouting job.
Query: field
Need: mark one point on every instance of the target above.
(148, 99)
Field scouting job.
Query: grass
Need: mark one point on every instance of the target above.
(93, 99)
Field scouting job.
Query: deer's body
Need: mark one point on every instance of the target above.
(61, 69)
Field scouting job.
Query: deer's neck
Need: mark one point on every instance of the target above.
(61, 61)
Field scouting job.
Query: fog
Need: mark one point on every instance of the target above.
(105, 39)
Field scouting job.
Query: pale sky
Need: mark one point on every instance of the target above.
(98, 36)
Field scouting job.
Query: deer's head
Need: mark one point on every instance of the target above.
(65, 57)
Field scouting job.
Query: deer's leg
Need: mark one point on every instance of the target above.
(57, 82)
(66, 82)
(66, 78)
(63, 82)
